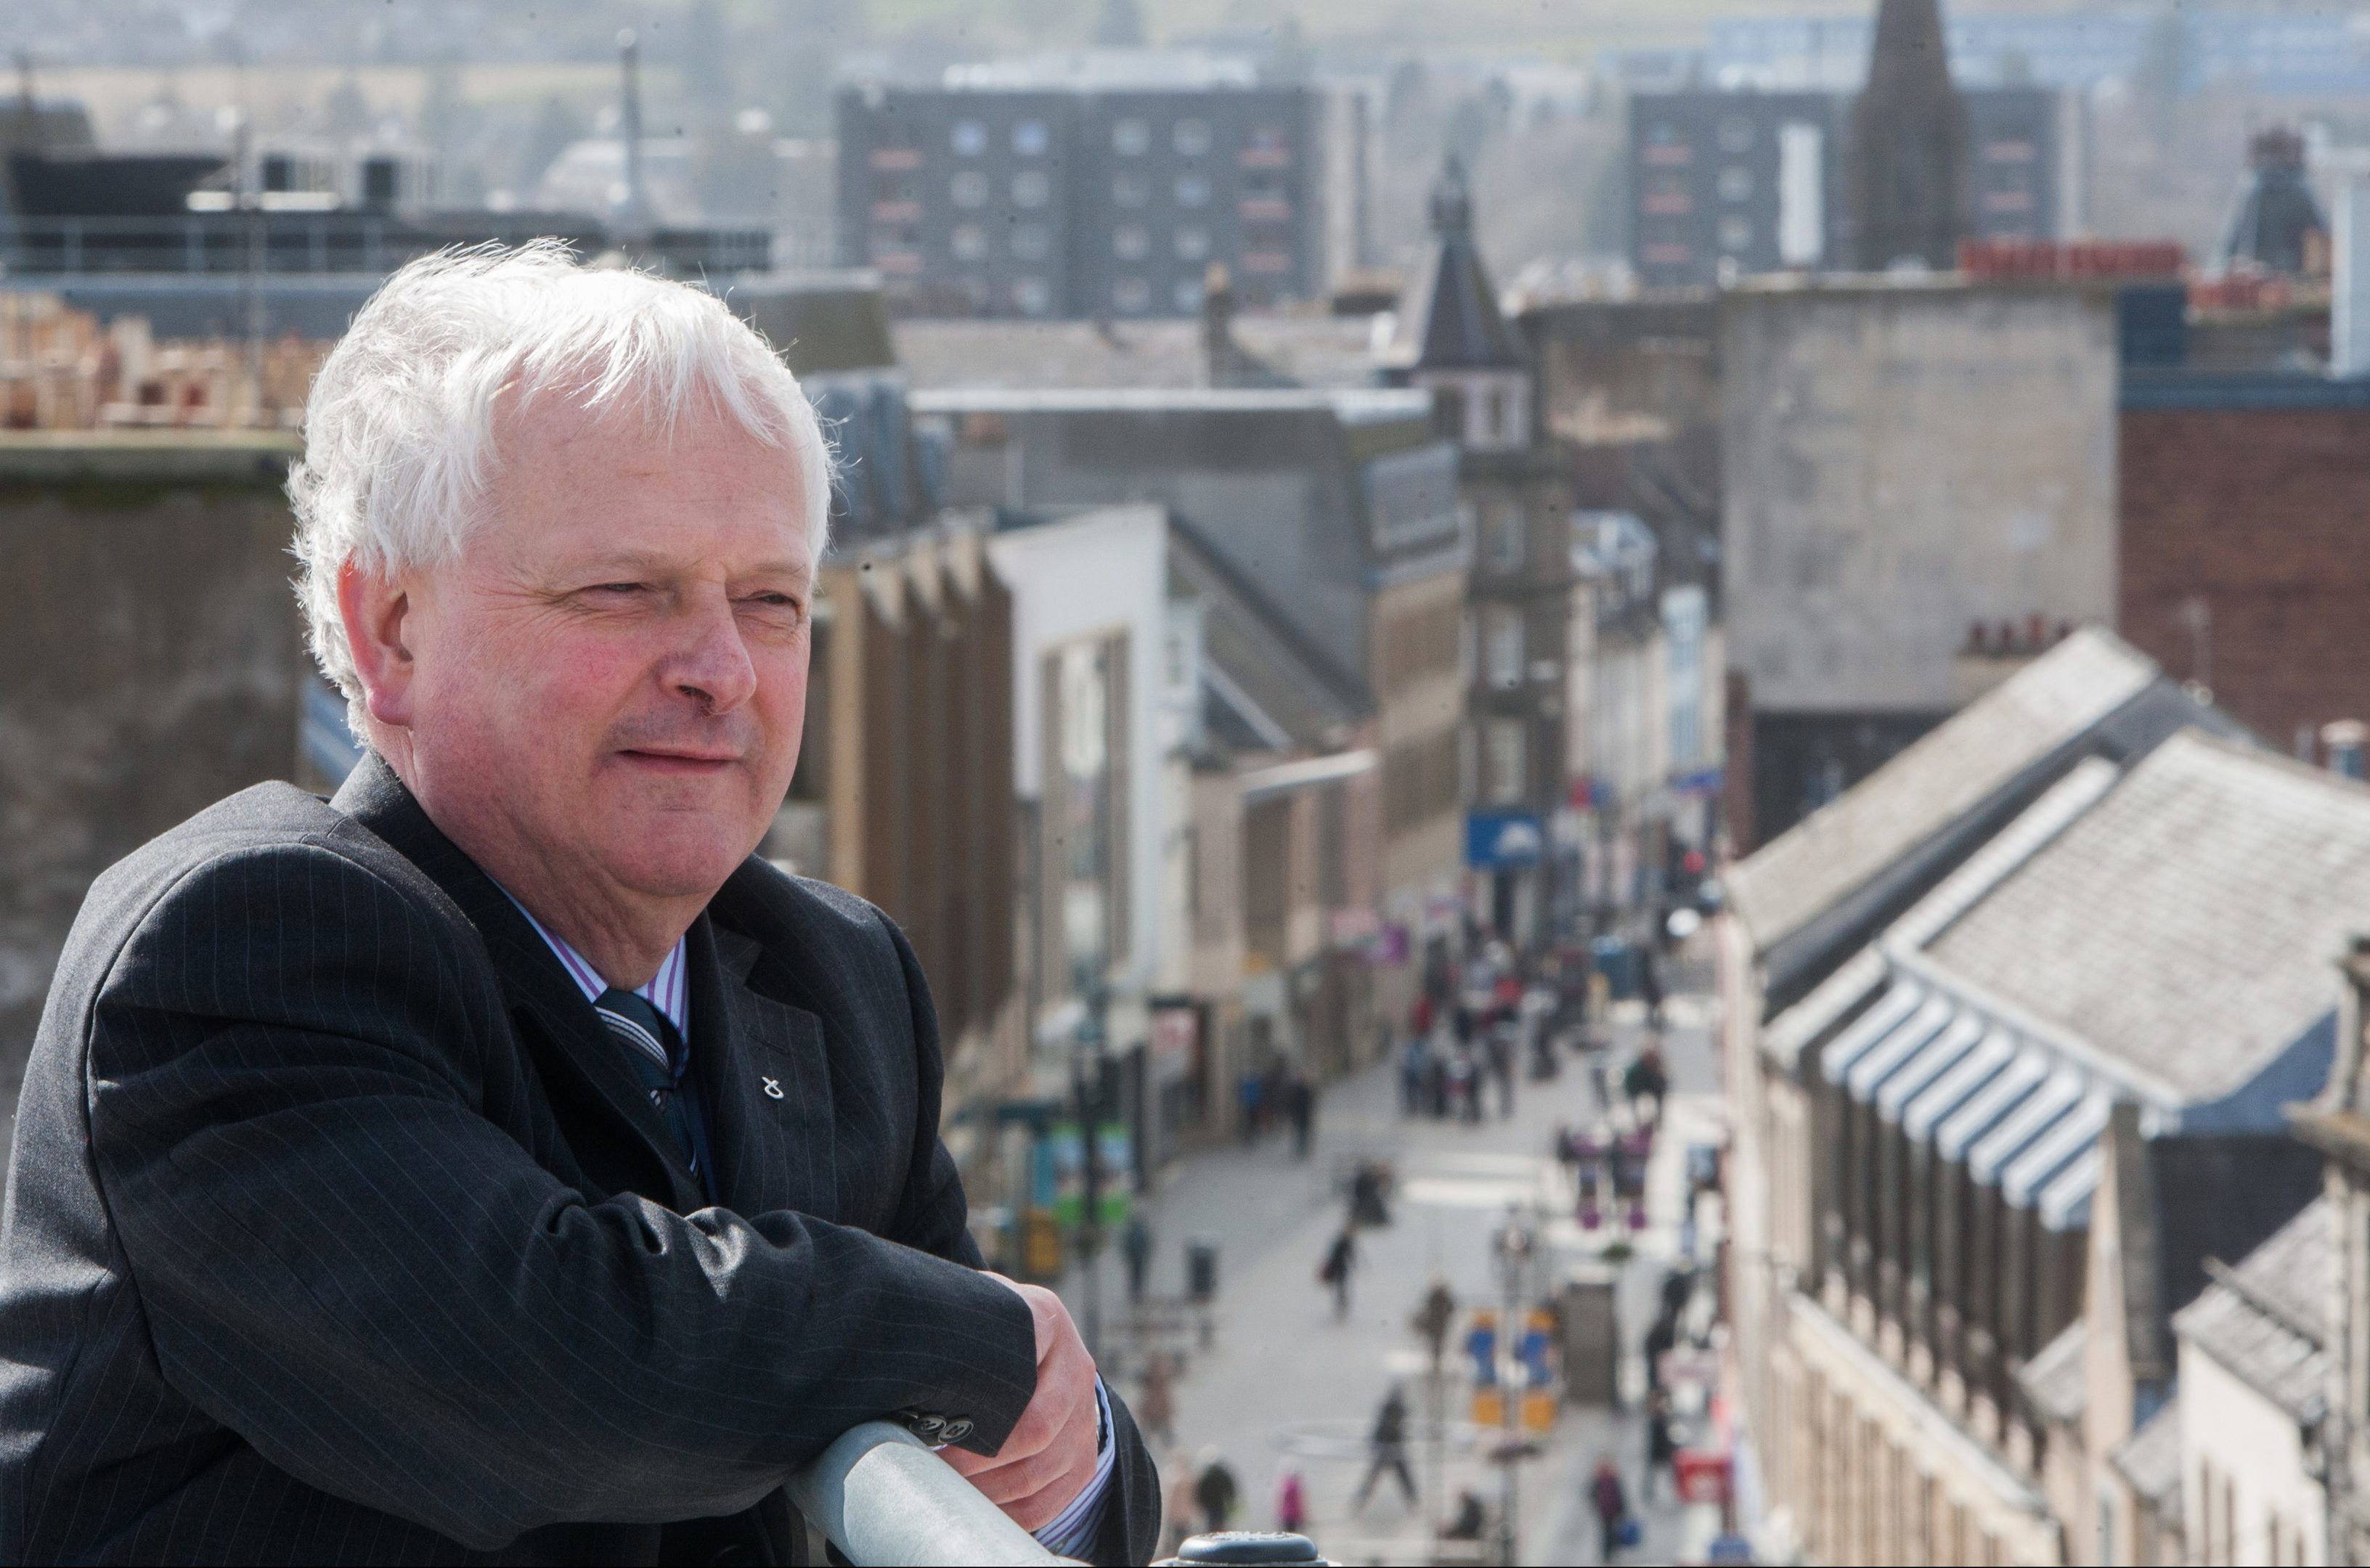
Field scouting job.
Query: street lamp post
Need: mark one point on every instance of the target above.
(1086, 1075)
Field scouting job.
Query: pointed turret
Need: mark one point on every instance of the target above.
(1909, 145)
(1452, 338)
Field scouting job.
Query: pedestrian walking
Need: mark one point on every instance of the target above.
(1155, 1399)
(1501, 1065)
(1300, 1107)
(1610, 1503)
(1215, 1493)
(1649, 985)
(1660, 1340)
(1434, 1318)
(1135, 1248)
(1414, 1057)
(1251, 1090)
(1386, 1449)
(1662, 1448)
(1291, 1501)
(1341, 1258)
(1646, 1080)
(1179, 1501)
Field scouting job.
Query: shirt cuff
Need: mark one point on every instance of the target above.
(1073, 1531)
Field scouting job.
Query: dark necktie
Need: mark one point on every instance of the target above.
(663, 1065)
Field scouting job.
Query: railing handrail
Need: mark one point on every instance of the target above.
(886, 1501)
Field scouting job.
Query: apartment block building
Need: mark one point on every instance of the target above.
(1726, 184)
(1093, 193)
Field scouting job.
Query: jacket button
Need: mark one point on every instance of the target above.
(957, 1430)
(927, 1426)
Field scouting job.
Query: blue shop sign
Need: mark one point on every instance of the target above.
(1495, 839)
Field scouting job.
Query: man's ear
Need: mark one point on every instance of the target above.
(376, 611)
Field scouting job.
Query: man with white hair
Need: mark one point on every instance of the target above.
(499, 1162)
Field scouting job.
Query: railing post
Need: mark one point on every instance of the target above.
(886, 1501)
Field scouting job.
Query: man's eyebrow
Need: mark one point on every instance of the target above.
(645, 562)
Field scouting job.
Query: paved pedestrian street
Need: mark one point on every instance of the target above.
(1282, 1383)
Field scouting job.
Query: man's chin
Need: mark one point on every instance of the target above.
(671, 858)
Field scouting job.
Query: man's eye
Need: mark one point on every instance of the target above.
(618, 587)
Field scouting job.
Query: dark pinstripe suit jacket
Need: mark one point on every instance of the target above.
(339, 1230)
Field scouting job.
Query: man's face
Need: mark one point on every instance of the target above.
(609, 683)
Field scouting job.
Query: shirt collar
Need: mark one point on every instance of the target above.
(668, 990)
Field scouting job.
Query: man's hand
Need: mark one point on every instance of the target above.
(1050, 1456)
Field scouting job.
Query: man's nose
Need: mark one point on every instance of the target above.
(712, 662)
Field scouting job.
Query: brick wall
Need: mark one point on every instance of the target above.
(2260, 515)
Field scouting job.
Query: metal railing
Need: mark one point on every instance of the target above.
(886, 1501)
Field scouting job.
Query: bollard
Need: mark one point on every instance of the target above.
(1237, 1548)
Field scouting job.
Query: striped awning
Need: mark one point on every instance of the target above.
(1984, 1109)
(1922, 1114)
(1880, 1061)
(2036, 1115)
(1938, 1056)
(2050, 1155)
(1888, 1013)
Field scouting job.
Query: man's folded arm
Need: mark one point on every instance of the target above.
(343, 1260)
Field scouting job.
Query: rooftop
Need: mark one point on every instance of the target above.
(2119, 933)
(2150, 1458)
(1041, 356)
(1352, 405)
(1821, 860)
(1280, 691)
(2266, 1320)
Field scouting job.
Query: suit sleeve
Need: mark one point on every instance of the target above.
(344, 1259)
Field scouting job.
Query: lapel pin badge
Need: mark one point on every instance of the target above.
(773, 1088)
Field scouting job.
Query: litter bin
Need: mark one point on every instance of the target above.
(1202, 1268)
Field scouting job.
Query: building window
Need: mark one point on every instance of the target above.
(1736, 184)
(969, 188)
(1131, 138)
(1132, 295)
(1031, 296)
(1029, 139)
(1031, 188)
(968, 242)
(1497, 419)
(1506, 537)
(1501, 646)
(1267, 146)
(1735, 235)
(1191, 138)
(1735, 133)
(1130, 242)
(1192, 242)
(968, 138)
(1187, 295)
(1130, 191)
(1192, 190)
(1504, 762)
(1030, 242)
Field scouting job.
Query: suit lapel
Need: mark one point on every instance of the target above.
(767, 1077)
(583, 1067)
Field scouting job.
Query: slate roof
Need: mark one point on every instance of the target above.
(2053, 1382)
(2185, 924)
(2150, 1458)
(1020, 356)
(1821, 860)
(2267, 1318)
(1267, 676)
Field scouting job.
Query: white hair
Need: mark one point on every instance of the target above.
(399, 425)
